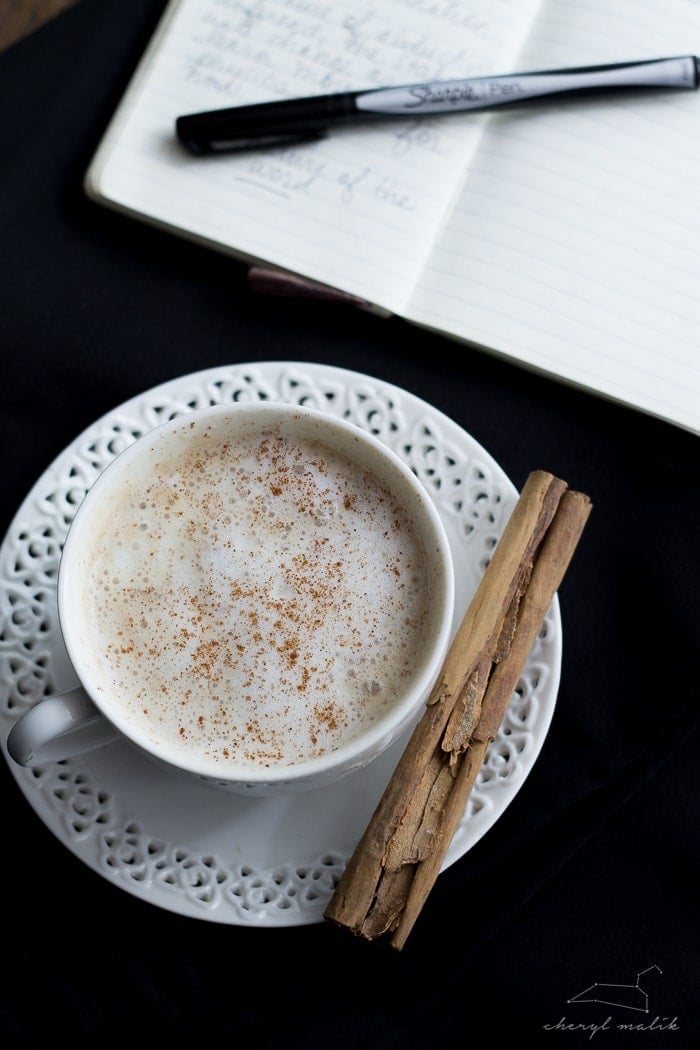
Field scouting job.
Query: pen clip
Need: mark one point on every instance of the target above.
(196, 144)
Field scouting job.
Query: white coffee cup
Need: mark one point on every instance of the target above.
(259, 596)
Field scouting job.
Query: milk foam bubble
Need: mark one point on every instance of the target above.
(256, 599)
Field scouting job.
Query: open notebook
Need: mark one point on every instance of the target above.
(564, 236)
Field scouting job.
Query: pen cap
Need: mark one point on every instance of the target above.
(262, 124)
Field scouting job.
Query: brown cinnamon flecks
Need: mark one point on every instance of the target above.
(282, 576)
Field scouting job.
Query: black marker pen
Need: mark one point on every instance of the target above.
(294, 120)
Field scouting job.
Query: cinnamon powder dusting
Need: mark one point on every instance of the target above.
(284, 609)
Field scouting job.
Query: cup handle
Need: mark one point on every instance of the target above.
(58, 727)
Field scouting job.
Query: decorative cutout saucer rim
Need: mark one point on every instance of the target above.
(194, 850)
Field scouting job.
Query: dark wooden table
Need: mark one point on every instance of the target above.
(18, 18)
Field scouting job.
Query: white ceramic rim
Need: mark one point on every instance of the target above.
(355, 752)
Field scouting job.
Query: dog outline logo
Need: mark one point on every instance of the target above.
(626, 996)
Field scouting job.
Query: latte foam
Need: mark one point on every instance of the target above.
(255, 599)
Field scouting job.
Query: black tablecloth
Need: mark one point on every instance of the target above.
(591, 875)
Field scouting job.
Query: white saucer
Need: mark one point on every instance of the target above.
(191, 849)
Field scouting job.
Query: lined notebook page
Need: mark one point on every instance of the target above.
(575, 244)
(359, 210)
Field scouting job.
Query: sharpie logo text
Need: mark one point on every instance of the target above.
(460, 94)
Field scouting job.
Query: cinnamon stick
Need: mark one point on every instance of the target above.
(396, 862)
